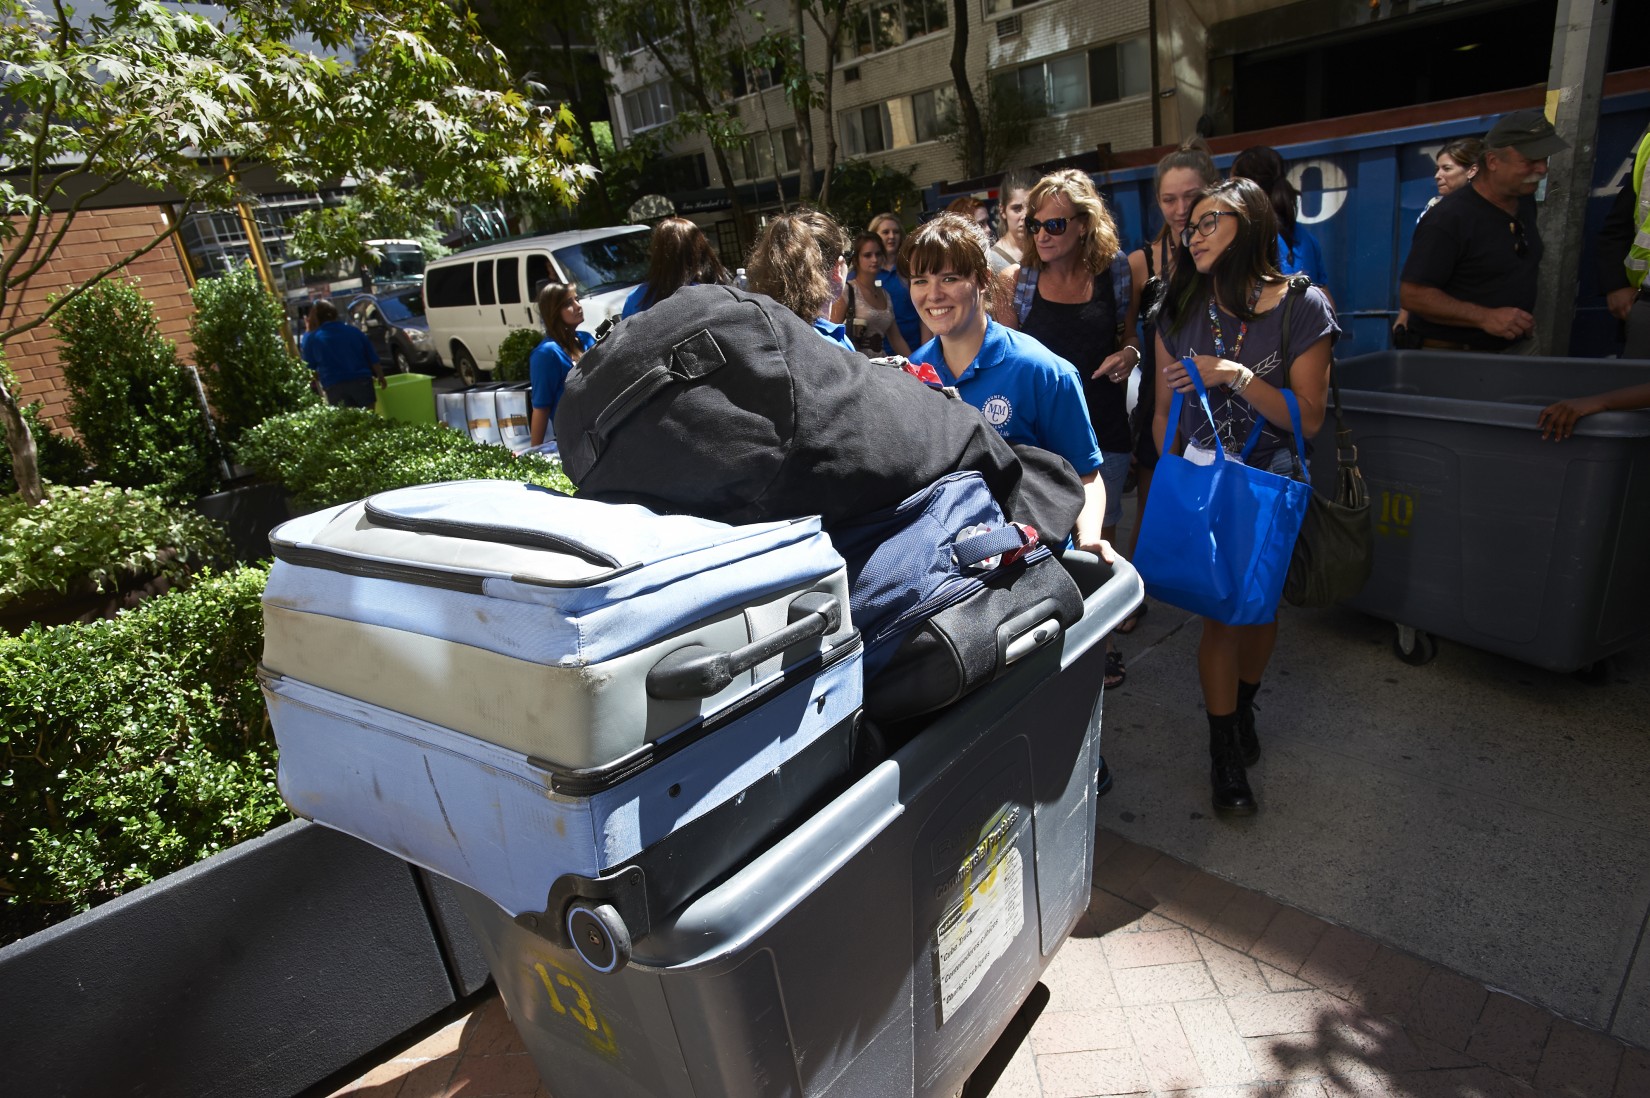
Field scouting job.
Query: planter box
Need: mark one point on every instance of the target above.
(260, 971)
(249, 512)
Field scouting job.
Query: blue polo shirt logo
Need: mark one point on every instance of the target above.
(997, 410)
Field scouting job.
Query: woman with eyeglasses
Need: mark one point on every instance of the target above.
(799, 261)
(864, 307)
(1181, 177)
(1068, 295)
(1224, 310)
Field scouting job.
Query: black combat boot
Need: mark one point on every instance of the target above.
(1248, 740)
(1232, 795)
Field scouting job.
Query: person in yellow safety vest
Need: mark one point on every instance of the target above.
(1624, 256)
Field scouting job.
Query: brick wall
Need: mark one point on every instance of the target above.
(96, 239)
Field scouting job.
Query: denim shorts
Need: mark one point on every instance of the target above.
(1114, 471)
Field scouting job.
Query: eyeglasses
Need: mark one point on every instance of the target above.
(1056, 226)
(1205, 225)
(1520, 244)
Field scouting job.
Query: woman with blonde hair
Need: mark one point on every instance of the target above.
(892, 230)
(799, 261)
(555, 358)
(1075, 295)
(679, 255)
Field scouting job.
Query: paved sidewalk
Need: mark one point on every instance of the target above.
(1177, 982)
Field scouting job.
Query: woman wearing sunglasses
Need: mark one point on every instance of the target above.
(1224, 309)
(1068, 295)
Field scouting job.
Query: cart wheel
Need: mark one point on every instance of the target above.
(599, 936)
(1414, 646)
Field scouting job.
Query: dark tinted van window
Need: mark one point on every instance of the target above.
(538, 273)
(484, 282)
(509, 285)
(447, 286)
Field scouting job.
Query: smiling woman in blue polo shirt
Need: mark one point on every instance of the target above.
(1029, 394)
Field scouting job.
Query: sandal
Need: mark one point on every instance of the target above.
(1114, 670)
(1127, 624)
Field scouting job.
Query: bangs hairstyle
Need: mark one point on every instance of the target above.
(551, 301)
(1100, 243)
(948, 242)
(679, 255)
(1194, 154)
(795, 261)
(1252, 258)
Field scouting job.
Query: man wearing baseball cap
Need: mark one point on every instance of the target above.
(1469, 282)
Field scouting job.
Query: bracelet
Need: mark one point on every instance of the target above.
(1138, 357)
(1242, 382)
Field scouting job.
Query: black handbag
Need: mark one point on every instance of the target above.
(1336, 547)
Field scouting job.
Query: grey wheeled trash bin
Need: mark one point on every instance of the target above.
(1484, 533)
(880, 947)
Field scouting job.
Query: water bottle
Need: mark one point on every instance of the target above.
(740, 280)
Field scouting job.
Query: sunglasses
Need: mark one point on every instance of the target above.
(1205, 225)
(1056, 226)
(1520, 243)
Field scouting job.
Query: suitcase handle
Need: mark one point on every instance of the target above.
(700, 672)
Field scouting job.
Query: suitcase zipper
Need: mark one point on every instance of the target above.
(473, 531)
(950, 593)
(308, 557)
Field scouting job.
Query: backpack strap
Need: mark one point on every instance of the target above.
(1025, 288)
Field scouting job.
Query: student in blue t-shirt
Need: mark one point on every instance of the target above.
(892, 231)
(678, 256)
(1029, 394)
(800, 262)
(553, 359)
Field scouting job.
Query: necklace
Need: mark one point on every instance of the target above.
(1243, 326)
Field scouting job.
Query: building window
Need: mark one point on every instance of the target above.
(884, 24)
(649, 106)
(1074, 81)
(998, 7)
(897, 123)
(676, 174)
(759, 152)
(746, 81)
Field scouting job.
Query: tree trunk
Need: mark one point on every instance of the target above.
(604, 201)
(833, 40)
(804, 119)
(25, 462)
(972, 130)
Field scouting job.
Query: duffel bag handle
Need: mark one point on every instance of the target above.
(976, 548)
(700, 672)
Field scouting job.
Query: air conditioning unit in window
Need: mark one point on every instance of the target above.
(1008, 28)
(850, 74)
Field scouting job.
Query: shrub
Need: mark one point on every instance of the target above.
(134, 404)
(96, 539)
(242, 354)
(329, 455)
(514, 351)
(62, 460)
(130, 748)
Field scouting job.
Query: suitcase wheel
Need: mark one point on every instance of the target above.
(599, 935)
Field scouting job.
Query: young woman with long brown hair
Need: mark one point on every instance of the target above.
(555, 358)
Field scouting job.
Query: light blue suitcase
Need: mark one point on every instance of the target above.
(583, 711)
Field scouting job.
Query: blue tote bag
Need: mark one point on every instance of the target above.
(1217, 539)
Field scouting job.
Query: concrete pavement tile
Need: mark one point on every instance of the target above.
(1284, 1012)
(1164, 1051)
(1390, 984)
(1079, 1031)
(502, 1075)
(430, 1080)
(1510, 1036)
(1579, 1062)
(1338, 960)
(1220, 1051)
(1019, 1077)
(1401, 1051)
(1079, 978)
(1107, 913)
(1123, 867)
(1198, 901)
(1633, 1077)
(1105, 842)
(1437, 1054)
(381, 1082)
(1163, 947)
(1234, 973)
(1158, 883)
(1243, 920)
(1447, 1008)
(1112, 1071)
(1288, 939)
(1284, 1057)
(489, 1030)
(446, 1041)
(1164, 984)
(1279, 980)
(1473, 1082)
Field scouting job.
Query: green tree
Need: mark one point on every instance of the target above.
(831, 17)
(407, 98)
(972, 129)
(1004, 128)
(241, 353)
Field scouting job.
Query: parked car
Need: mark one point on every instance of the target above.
(399, 332)
(474, 298)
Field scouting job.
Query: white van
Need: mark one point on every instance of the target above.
(474, 298)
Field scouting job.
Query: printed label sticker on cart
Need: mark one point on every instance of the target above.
(988, 915)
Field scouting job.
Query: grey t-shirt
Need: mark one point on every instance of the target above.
(1310, 320)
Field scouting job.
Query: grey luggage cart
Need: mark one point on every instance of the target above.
(1484, 533)
(877, 949)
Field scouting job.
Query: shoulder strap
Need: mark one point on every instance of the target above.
(1025, 286)
(1122, 281)
(849, 315)
(1298, 285)
(1151, 268)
